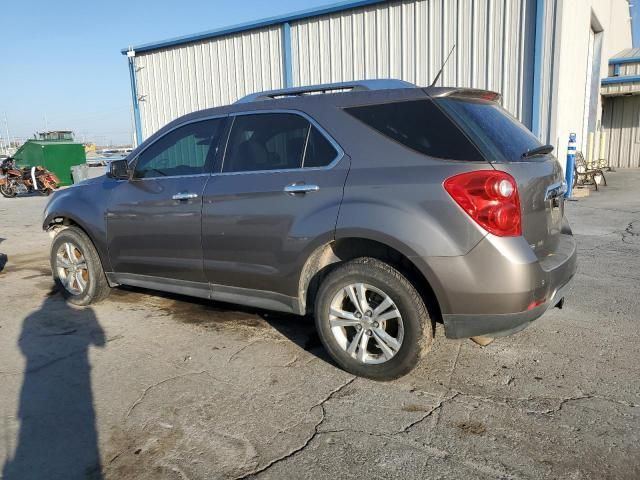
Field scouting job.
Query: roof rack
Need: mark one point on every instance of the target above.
(360, 85)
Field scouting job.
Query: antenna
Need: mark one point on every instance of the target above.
(435, 80)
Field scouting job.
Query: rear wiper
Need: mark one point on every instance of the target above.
(542, 150)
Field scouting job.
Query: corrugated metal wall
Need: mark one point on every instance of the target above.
(402, 39)
(178, 80)
(549, 74)
(621, 122)
(410, 39)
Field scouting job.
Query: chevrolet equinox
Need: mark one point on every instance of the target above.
(378, 206)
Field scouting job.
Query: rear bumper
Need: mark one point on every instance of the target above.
(493, 289)
(500, 324)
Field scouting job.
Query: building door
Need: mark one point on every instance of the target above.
(592, 86)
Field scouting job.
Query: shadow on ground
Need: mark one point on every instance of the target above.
(58, 437)
(3, 257)
(218, 315)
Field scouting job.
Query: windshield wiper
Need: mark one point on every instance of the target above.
(542, 150)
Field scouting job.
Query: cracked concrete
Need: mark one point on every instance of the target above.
(152, 386)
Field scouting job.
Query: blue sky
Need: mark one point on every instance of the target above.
(61, 60)
(61, 67)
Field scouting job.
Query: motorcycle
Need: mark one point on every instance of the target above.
(14, 180)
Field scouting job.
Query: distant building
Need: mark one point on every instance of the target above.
(621, 109)
(546, 57)
(55, 135)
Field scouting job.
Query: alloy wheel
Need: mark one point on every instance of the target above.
(72, 267)
(366, 323)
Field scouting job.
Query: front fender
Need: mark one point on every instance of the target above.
(84, 204)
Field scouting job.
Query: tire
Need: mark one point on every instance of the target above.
(7, 191)
(88, 285)
(378, 280)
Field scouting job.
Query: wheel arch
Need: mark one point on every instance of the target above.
(325, 257)
(55, 222)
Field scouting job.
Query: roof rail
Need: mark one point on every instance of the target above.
(359, 85)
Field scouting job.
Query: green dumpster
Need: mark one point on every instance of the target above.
(57, 156)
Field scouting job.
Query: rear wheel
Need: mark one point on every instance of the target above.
(372, 320)
(76, 268)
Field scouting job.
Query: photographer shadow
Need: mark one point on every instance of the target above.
(57, 437)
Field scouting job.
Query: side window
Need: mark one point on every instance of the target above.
(419, 125)
(319, 152)
(183, 151)
(266, 141)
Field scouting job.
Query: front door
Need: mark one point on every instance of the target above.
(154, 219)
(277, 196)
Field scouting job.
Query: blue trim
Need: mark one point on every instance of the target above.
(312, 12)
(536, 105)
(287, 59)
(623, 79)
(620, 61)
(134, 99)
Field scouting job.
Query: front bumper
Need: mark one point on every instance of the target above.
(493, 289)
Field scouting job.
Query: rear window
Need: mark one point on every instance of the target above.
(419, 125)
(498, 135)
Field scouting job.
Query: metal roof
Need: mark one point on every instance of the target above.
(242, 27)
(629, 55)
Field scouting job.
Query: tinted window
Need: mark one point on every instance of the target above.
(268, 141)
(419, 125)
(183, 151)
(499, 135)
(319, 152)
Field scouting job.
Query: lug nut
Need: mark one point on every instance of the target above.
(369, 332)
(358, 327)
(358, 315)
(376, 324)
(369, 313)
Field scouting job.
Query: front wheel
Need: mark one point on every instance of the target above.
(7, 190)
(77, 269)
(371, 320)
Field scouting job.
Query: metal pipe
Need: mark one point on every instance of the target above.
(571, 161)
(536, 106)
(131, 54)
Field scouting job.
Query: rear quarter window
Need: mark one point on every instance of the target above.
(499, 135)
(419, 125)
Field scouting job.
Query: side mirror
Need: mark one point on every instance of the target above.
(119, 169)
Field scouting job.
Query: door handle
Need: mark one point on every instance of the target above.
(300, 188)
(185, 196)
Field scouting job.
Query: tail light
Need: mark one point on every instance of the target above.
(490, 198)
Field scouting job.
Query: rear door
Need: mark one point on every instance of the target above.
(275, 197)
(503, 140)
(154, 219)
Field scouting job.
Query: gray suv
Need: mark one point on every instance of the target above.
(378, 206)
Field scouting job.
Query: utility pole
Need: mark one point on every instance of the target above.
(6, 126)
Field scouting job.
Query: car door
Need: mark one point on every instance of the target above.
(275, 198)
(154, 219)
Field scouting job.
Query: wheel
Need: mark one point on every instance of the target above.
(7, 190)
(371, 320)
(76, 268)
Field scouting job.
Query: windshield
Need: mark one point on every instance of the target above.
(500, 136)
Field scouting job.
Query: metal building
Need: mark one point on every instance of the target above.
(509, 46)
(621, 115)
